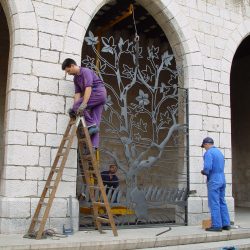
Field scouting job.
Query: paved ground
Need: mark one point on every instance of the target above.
(190, 237)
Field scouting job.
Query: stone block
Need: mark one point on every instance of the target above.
(227, 125)
(71, 161)
(196, 163)
(44, 156)
(196, 177)
(22, 120)
(228, 177)
(25, 21)
(206, 96)
(57, 43)
(73, 4)
(50, 56)
(77, 58)
(51, 26)
(36, 139)
(213, 110)
(217, 98)
(34, 173)
(12, 226)
(65, 189)
(13, 173)
(26, 37)
(195, 95)
(62, 14)
(195, 122)
(62, 122)
(70, 174)
(197, 108)
(225, 112)
(46, 69)
(16, 137)
(53, 140)
(76, 30)
(195, 137)
(208, 74)
(18, 100)
(19, 188)
(44, 40)
(81, 17)
(53, 2)
(15, 207)
(215, 76)
(213, 87)
(21, 66)
(72, 46)
(194, 205)
(69, 103)
(47, 103)
(226, 100)
(212, 124)
(26, 52)
(195, 150)
(22, 155)
(66, 88)
(47, 85)
(44, 10)
(46, 123)
(24, 82)
(225, 140)
(201, 189)
(205, 208)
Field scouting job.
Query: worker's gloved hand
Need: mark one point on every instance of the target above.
(71, 113)
(81, 108)
(203, 173)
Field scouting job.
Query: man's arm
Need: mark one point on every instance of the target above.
(77, 96)
(208, 163)
(87, 94)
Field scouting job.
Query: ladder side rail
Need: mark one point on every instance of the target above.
(45, 189)
(56, 183)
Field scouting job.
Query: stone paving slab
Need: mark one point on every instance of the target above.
(141, 238)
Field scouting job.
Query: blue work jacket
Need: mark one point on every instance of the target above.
(214, 163)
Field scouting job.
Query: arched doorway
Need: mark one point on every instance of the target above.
(240, 124)
(143, 128)
(4, 59)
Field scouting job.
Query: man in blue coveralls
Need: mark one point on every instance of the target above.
(216, 184)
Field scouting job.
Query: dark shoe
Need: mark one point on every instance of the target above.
(93, 130)
(214, 229)
(226, 228)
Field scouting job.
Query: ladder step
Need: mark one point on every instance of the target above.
(60, 154)
(49, 187)
(43, 203)
(56, 170)
(66, 138)
(37, 220)
(82, 140)
(99, 204)
(101, 219)
(87, 157)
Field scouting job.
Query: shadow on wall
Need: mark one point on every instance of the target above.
(4, 56)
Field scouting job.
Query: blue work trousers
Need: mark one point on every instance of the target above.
(217, 204)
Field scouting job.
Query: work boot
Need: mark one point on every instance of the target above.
(93, 130)
(214, 229)
(226, 228)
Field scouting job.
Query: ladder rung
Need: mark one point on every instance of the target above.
(99, 204)
(91, 171)
(56, 170)
(72, 122)
(87, 157)
(37, 220)
(66, 138)
(50, 187)
(60, 154)
(101, 219)
(82, 140)
(43, 203)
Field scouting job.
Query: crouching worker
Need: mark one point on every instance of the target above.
(89, 99)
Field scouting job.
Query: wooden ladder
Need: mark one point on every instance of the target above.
(55, 176)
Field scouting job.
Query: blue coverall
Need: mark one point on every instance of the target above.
(214, 170)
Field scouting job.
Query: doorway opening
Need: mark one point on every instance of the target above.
(240, 124)
(4, 61)
(144, 126)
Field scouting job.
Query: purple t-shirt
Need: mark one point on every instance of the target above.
(86, 78)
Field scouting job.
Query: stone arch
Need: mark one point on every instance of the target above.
(235, 76)
(169, 17)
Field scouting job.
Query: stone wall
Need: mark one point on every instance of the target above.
(204, 36)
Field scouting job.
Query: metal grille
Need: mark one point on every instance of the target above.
(144, 131)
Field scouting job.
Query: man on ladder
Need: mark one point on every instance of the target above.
(90, 97)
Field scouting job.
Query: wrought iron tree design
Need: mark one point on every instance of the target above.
(152, 96)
